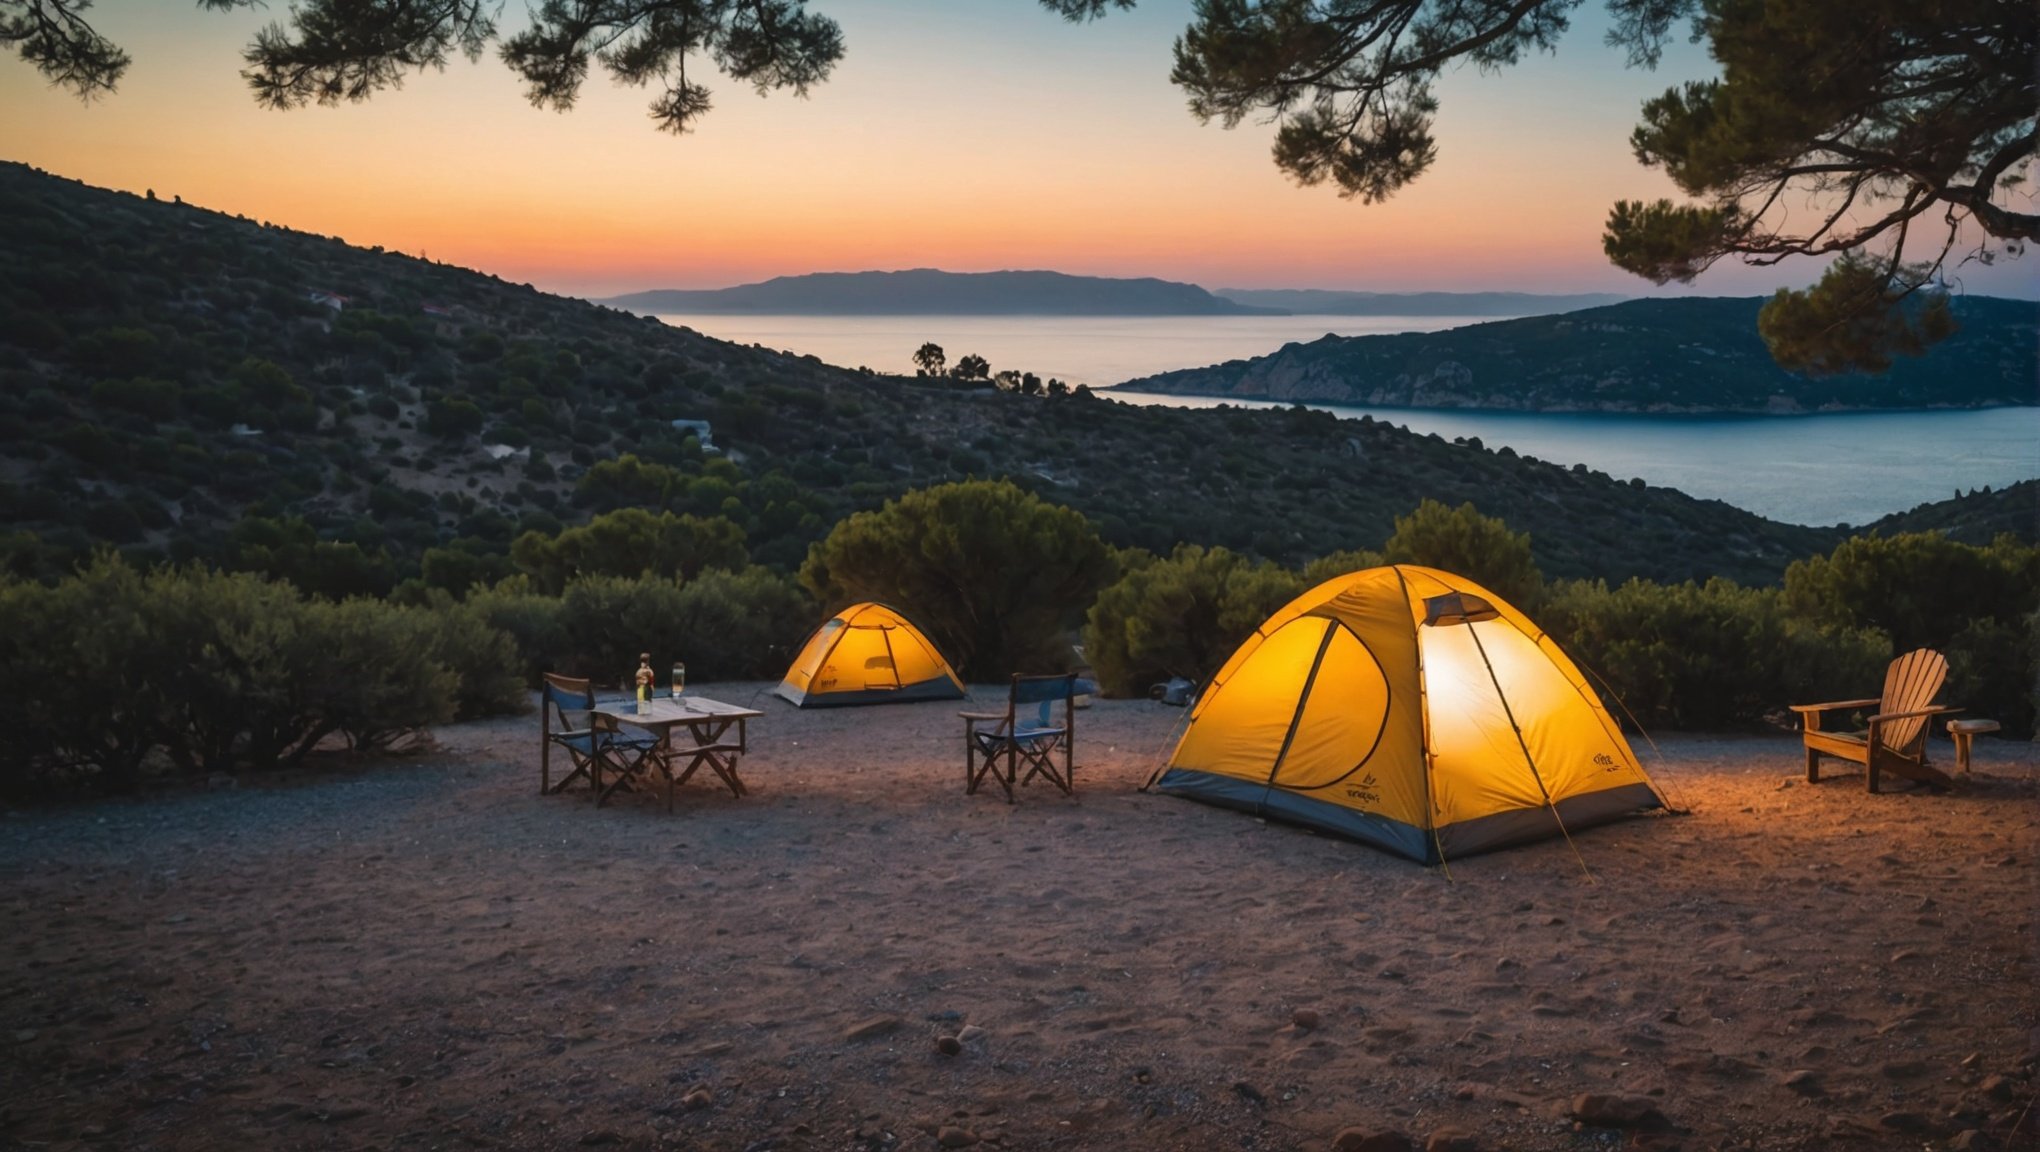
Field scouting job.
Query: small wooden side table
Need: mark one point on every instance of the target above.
(1964, 731)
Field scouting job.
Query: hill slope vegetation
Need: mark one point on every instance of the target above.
(180, 384)
(1687, 355)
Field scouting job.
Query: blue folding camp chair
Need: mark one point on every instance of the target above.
(589, 739)
(1027, 731)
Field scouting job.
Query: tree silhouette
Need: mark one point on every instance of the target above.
(1887, 116)
(973, 367)
(930, 358)
(333, 51)
(1876, 113)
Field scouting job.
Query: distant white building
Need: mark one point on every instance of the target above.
(332, 300)
(698, 429)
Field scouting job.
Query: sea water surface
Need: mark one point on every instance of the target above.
(1827, 468)
(1094, 350)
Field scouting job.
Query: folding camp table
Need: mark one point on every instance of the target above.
(705, 725)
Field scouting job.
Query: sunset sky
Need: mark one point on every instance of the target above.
(962, 134)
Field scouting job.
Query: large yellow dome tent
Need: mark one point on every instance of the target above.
(1409, 709)
(868, 654)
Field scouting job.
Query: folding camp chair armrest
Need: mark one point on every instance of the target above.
(1936, 710)
(1025, 733)
(1832, 705)
(982, 715)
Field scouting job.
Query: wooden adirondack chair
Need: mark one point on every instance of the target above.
(1896, 740)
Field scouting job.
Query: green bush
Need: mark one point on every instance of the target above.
(1994, 671)
(995, 574)
(1975, 605)
(1465, 543)
(113, 672)
(483, 660)
(533, 620)
(238, 685)
(1339, 564)
(1921, 587)
(722, 625)
(1713, 655)
(631, 542)
(367, 676)
(742, 625)
(453, 419)
(80, 666)
(1180, 616)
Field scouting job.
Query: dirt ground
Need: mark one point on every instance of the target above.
(424, 953)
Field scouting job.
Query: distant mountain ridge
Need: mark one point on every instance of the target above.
(1324, 302)
(1686, 355)
(930, 292)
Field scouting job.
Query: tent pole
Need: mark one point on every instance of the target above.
(1525, 746)
(1424, 728)
(1302, 699)
(886, 635)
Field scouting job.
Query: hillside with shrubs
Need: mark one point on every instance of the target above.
(266, 494)
(185, 385)
(1683, 355)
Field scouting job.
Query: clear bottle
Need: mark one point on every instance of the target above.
(679, 678)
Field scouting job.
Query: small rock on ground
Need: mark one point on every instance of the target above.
(1610, 1111)
(1367, 1140)
(1452, 1140)
(871, 1029)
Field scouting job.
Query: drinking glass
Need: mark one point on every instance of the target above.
(679, 679)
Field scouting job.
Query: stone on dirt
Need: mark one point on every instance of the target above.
(871, 1029)
(1369, 1140)
(1600, 1110)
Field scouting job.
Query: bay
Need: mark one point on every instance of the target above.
(1824, 468)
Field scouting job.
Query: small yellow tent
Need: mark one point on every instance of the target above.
(1409, 709)
(868, 654)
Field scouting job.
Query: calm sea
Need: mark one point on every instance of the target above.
(1823, 469)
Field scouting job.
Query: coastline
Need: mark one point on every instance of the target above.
(1114, 391)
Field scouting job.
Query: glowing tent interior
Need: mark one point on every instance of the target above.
(868, 654)
(1413, 710)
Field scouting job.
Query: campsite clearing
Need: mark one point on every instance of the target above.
(427, 953)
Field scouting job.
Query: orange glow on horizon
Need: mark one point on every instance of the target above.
(970, 141)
